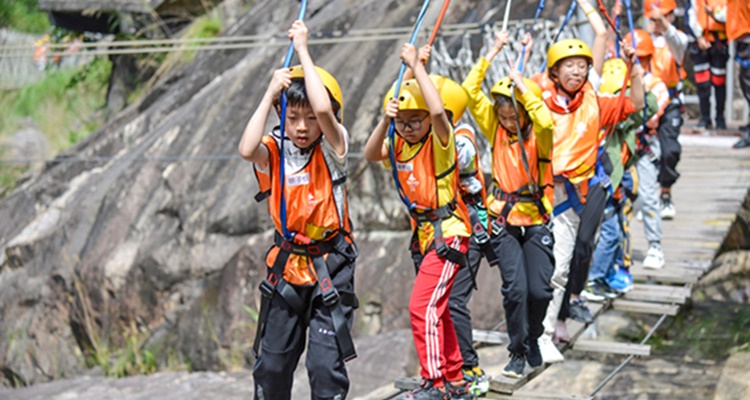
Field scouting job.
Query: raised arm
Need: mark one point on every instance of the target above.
(440, 122)
(317, 94)
(375, 148)
(250, 148)
(636, 76)
(599, 47)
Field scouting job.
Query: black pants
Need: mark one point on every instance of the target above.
(710, 70)
(526, 266)
(668, 133)
(591, 219)
(284, 340)
(458, 303)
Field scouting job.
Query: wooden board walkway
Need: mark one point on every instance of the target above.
(713, 183)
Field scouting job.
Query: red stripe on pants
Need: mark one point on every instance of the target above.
(702, 76)
(718, 80)
(431, 323)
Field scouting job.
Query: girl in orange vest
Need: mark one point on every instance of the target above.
(425, 156)
(520, 202)
(579, 113)
(710, 54)
(310, 284)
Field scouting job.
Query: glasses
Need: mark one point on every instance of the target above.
(414, 125)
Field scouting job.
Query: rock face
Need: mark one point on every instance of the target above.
(167, 254)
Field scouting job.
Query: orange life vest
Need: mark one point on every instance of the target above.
(664, 65)
(510, 176)
(707, 22)
(312, 206)
(739, 22)
(430, 189)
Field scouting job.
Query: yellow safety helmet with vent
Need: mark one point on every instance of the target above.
(334, 90)
(568, 48)
(614, 73)
(502, 87)
(453, 95)
(410, 97)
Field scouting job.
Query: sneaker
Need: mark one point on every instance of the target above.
(721, 124)
(427, 391)
(745, 128)
(514, 369)
(550, 353)
(460, 391)
(479, 382)
(599, 290)
(639, 215)
(667, 207)
(704, 123)
(534, 354)
(580, 312)
(654, 258)
(743, 142)
(621, 281)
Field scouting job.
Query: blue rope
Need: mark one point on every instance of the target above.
(523, 50)
(632, 39)
(568, 16)
(392, 126)
(617, 44)
(282, 173)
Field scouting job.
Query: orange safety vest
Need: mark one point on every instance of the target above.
(739, 23)
(664, 65)
(476, 169)
(427, 188)
(510, 176)
(312, 209)
(707, 22)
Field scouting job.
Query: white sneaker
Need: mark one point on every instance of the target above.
(654, 258)
(668, 211)
(639, 215)
(549, 351)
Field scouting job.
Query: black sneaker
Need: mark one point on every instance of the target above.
(599, 290)
(514, 369)
(743, 142)
(745, 128)
(534, 355)
(427, 391)
(721, 124)
(579, 312)
(459, 392)
(704, 123)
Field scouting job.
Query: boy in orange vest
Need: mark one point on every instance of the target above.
(425, 166)
(710, 54)
(310, 285)
(670, 47)
(521, 200)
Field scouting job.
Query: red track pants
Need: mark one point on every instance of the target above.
(431, 324)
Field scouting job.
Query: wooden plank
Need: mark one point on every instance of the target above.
(406, 383)
(491, 337)
(683, 290)
(536, 396)
(612, 347)
(671, 275)
(657, 296)
(505, 385)
(644, 307)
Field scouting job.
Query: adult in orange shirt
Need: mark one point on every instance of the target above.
(710, 54)
(580, 113)
(738, 30)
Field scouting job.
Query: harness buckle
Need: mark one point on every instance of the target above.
(314, 250)
(480, 234)
(328, 294)
(432, 215)
(268, 286)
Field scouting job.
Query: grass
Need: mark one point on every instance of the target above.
(65, 106)
(23, 16)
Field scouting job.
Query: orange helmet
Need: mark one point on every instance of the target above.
(665, 6)
(644, 45)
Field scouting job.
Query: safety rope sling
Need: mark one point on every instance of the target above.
(535, 192)
(422, 214)
(296, 243)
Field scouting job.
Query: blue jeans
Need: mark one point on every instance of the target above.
(610, 237)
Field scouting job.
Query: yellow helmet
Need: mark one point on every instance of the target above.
(568, 48)
(410, 97)
(614, 73)
(502, 87)
(334, 90)
(454, 96)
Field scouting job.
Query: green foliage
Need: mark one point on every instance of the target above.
(23, 16)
